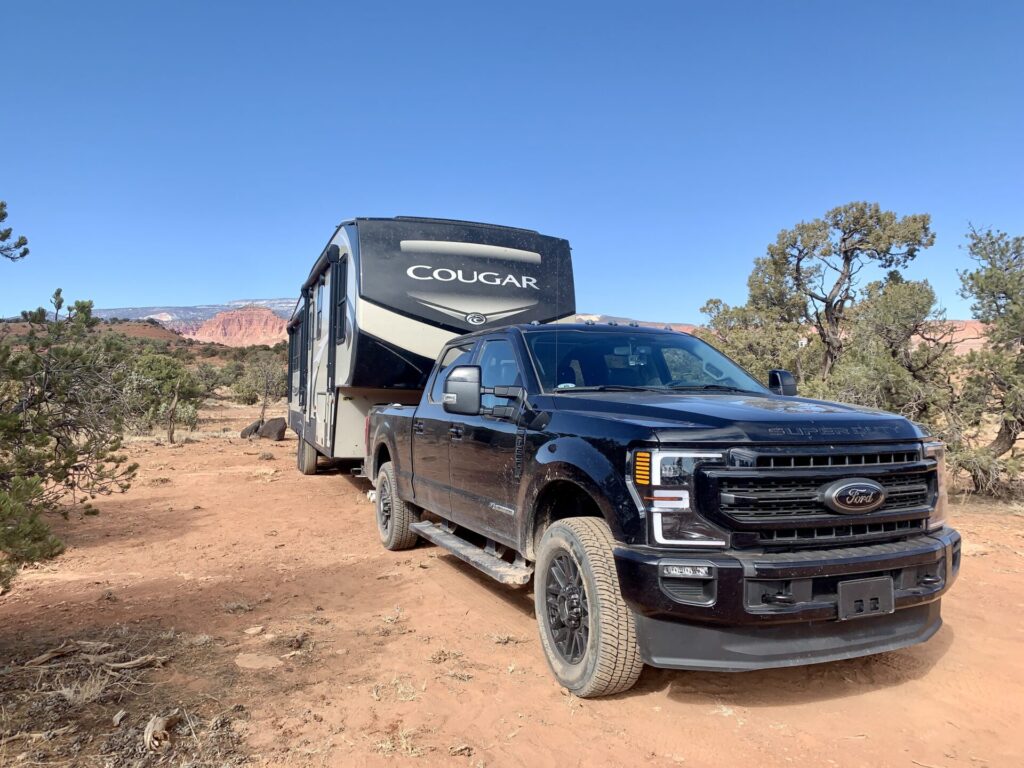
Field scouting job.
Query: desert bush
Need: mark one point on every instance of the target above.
(207, 377)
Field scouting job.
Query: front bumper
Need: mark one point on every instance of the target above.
(781, 608)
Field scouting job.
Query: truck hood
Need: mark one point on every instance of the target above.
(726, 417)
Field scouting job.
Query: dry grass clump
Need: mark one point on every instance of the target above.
(400, 742)
(398, 688)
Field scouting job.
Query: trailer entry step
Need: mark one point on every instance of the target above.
(486, 560)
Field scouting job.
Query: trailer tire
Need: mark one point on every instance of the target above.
(306, 458)
(394, 516)
(587, 631)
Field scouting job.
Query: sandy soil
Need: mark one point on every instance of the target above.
(367, 657)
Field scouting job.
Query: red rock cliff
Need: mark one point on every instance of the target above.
(242, 328)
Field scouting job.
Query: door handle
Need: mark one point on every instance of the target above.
(455, 431)
(417, 427)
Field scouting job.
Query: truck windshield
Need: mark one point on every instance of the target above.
(569, 360)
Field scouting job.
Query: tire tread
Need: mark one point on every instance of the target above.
(618, 654)
(402, 517)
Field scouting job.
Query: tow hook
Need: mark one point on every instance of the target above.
(929, 581)
(780, 598)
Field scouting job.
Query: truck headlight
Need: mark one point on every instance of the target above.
(662, 483)
(939, 516)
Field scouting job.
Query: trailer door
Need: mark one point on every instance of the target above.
(321, 397)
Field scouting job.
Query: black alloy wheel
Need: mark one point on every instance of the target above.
(568, 611)
(384, 507)
(394, 517)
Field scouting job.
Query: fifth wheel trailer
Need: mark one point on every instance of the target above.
(384, 297)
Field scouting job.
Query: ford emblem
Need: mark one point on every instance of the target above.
(853, 497)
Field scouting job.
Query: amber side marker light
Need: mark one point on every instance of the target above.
(642, 468)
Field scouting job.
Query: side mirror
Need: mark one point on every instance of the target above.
(462, 390)
(781, 382)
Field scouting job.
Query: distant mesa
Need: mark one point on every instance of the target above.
(243, 327)
(234, 324)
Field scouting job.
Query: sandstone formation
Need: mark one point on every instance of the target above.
(242, 327)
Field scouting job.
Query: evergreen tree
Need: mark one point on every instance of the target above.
(18, 249)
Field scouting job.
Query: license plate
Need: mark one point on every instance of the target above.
(865, 597)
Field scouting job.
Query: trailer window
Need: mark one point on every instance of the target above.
(320, 308)
(294, 361)
(460, 355)
(340, 287)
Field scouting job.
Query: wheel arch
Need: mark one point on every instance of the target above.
(558, 499)
(575, 466)
(381, 455)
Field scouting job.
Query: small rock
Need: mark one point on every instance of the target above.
(257, 661)
(251, 430)
(273, 429)
(253, 630)
(975, 549)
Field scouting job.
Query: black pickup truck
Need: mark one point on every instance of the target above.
(669, 508)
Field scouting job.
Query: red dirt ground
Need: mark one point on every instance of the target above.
(413, 657)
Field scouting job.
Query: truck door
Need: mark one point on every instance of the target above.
(430, 438)
(482, 456)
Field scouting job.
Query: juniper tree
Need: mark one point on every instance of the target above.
(168, 391)
(899, 352)
(993, 389)
(819, 261)
(263, 380)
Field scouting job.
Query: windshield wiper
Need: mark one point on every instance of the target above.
(712, 388)
(609, 388)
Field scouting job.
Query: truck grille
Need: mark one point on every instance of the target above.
(820, 534)
(773, 495)
(853, 459)
(753, 499)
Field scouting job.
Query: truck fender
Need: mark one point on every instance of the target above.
(382, 438)
(577, 461)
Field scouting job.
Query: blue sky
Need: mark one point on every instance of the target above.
(196, 152)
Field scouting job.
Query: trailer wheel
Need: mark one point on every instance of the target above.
(394, 517)
(306, 459)
(586, 629)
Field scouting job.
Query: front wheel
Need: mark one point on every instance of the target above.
(586, 629)
(394, 517)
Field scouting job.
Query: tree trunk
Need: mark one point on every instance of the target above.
(1004, 441)
(829, 360)
(172, 413)
(266, 397)
(982, 477)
